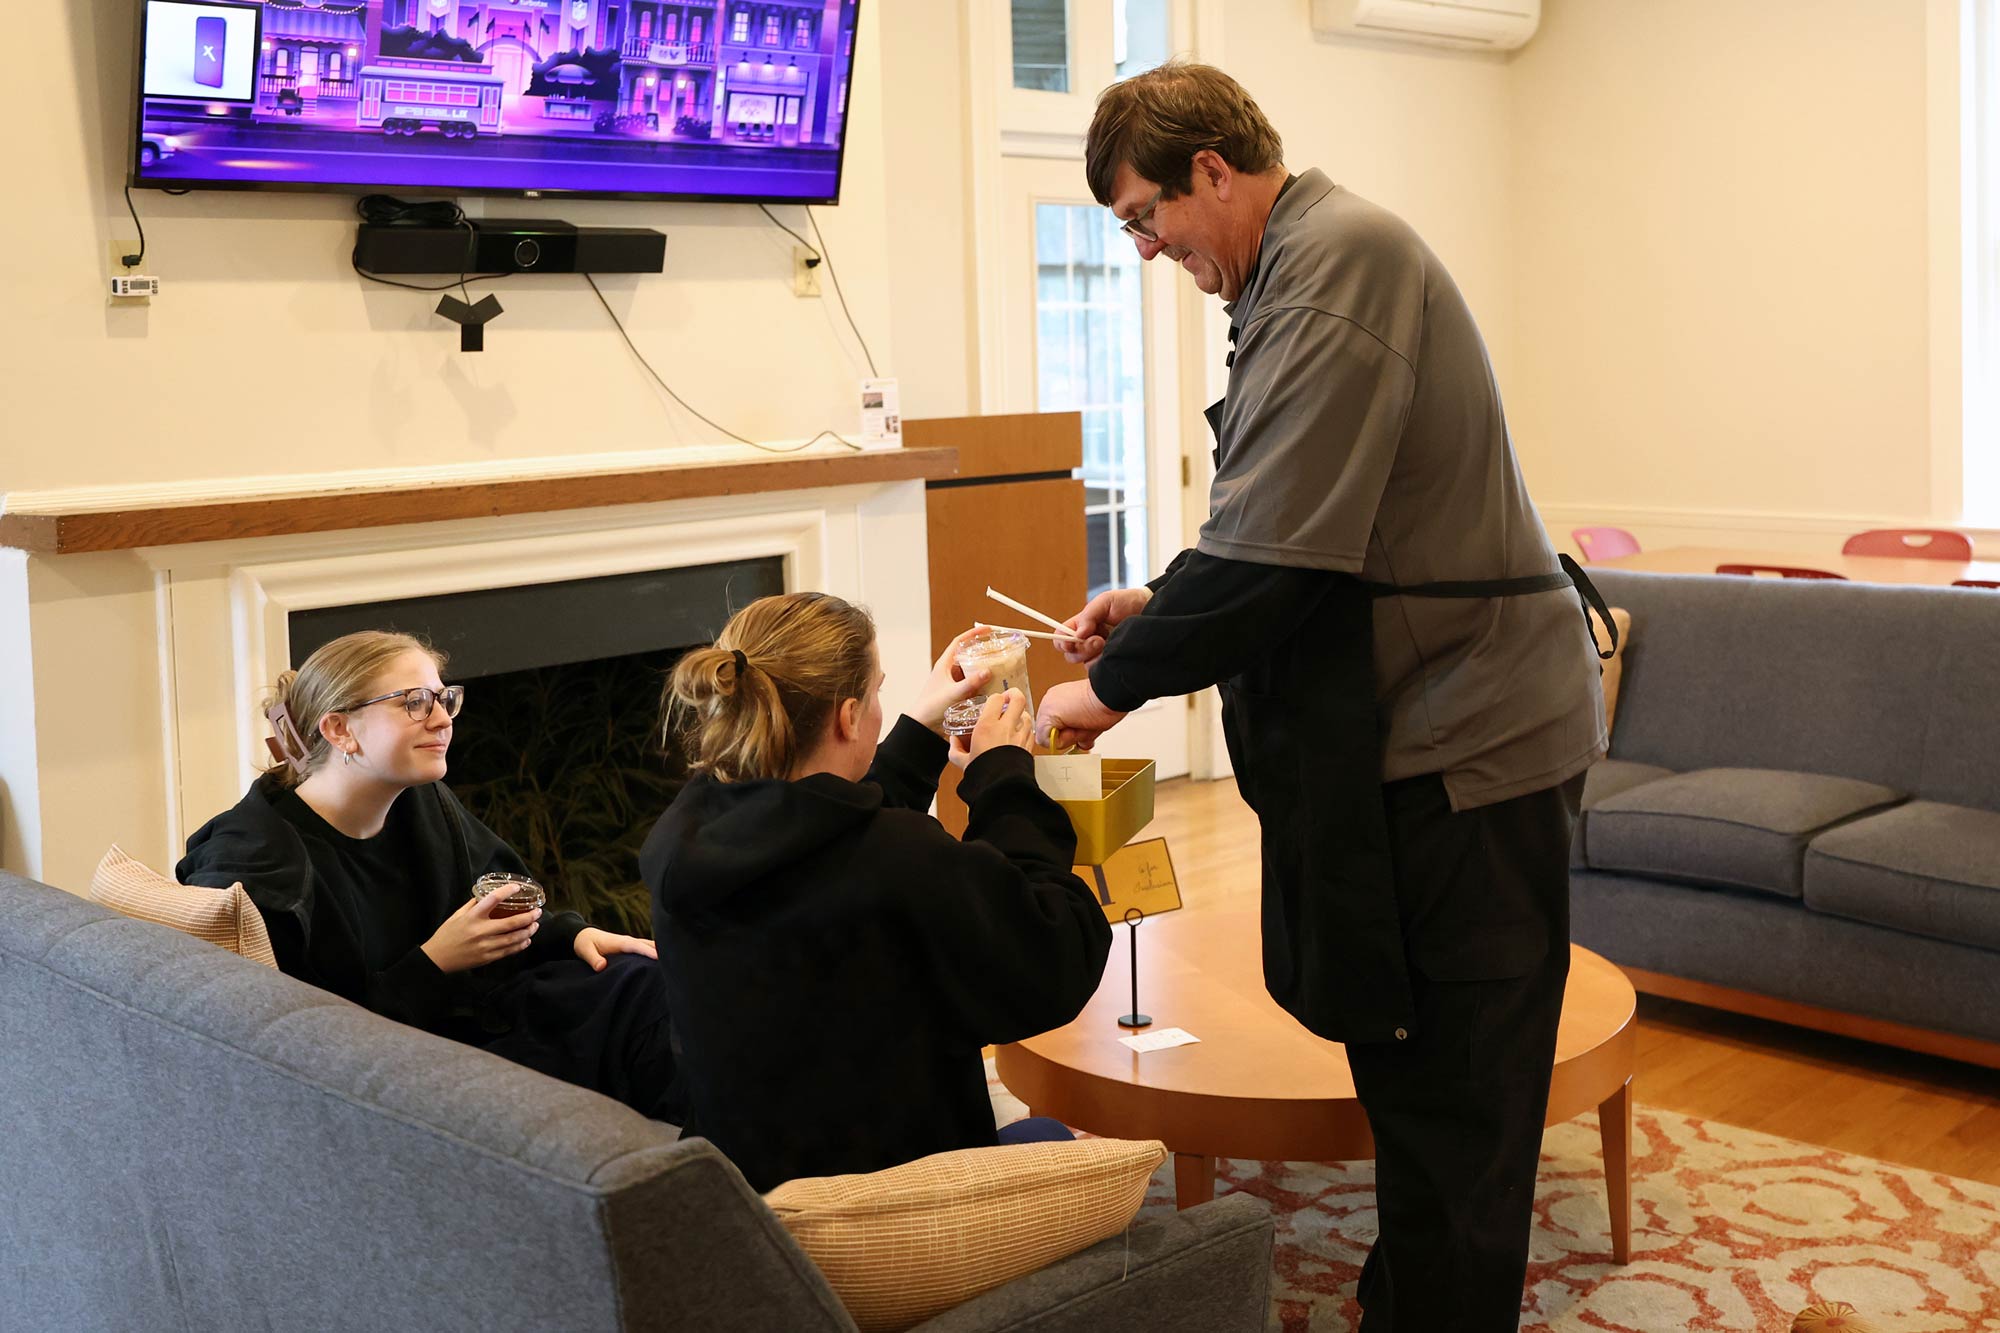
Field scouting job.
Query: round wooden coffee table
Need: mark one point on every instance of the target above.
(1259, 1086)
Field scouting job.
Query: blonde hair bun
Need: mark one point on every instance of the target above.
(750, 705)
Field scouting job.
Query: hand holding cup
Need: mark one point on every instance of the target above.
(1004, 719)
(490, 926)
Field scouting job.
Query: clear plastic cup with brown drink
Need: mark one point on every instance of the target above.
(521, 894)
(1004, 652)
(963, 716)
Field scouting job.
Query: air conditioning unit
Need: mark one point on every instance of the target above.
(1468, 25)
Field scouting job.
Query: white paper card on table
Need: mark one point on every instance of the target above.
(1070, 777)
(881, 414)
(1164, 1039)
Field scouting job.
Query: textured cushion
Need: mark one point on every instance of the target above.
(1614, 665)
(1926, 868)
(221, 916)
(1605, 779)
(1746, 827)
(901, 1245)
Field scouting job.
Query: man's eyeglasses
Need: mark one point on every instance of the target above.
(1137, 228)
(419, 700)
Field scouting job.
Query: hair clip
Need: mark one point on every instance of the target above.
(285, 744)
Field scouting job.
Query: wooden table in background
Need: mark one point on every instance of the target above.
(1259, 1086)
(1860, 568)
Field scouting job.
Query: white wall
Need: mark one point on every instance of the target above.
(1720, 261)
(1703, 240)
(1699, 237)
(320, 370)
(268, 358)
(1422, 132)
(926, 189)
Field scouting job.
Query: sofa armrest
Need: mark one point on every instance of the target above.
(1207, 1268)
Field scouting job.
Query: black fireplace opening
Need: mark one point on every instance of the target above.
(559, 748)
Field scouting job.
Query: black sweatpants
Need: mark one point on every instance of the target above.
(1457, 1107)
(607, 1031)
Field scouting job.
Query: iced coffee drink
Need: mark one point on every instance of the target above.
(1003, 652)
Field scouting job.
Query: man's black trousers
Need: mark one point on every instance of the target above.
(1457, 1107)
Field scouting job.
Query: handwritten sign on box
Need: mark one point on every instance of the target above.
(1070, 777)
(1139, 874)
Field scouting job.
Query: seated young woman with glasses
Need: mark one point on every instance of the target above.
(834, 957)
(362, 863)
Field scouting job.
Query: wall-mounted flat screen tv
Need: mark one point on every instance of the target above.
(646, 99)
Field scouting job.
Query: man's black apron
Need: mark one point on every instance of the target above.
(1305, 739)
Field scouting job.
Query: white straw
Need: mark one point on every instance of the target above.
(1067, 636)
(1031, 613)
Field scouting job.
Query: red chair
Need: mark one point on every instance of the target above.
(1911, 543)
(1975, 583)
(1782, 571)
(1604, 543)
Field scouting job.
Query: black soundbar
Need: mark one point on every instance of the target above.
(509, 245)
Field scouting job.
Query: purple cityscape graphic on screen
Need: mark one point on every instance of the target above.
(723, 98)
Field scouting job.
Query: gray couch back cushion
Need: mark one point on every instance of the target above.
(196, 1141)
(1886, 684)
(1962, 742)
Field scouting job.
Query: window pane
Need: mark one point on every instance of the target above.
(1090, 357)
(1041, 45)
(1142, 35)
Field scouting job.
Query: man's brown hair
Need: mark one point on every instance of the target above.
(1157, 121)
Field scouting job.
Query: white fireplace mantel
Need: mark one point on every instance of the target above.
(146, 667)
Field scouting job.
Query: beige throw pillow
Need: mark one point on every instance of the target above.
(901, 1245)
(225, 917)
(1614, 666)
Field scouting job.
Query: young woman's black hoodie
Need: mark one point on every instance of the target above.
(835, 960)
(361, 937)
(350, 915)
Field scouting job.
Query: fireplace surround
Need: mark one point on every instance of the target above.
(130, 679)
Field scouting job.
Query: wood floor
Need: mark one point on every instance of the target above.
(1917, 1110)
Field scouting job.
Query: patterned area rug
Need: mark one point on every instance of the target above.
(1732, 1230)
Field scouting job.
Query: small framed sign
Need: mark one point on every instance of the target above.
(1139, 874)
(881, 414)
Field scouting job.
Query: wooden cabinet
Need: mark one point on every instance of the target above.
(1011, 518)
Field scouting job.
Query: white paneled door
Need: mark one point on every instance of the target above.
(1090, 328)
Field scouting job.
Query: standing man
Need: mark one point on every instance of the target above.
(1410, 696)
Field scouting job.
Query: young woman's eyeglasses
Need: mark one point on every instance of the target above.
(1138, 227)
(419, 700)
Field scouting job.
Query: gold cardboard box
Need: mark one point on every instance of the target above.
(1108, 823)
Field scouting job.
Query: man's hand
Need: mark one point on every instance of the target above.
(1097, 619)
(592, 945)
(1073, 707)
(472, 936)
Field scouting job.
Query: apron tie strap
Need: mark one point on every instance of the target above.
(1571, 575)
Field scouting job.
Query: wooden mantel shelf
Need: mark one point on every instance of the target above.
(58, 532)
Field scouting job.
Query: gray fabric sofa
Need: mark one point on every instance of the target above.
(197, 1142)
(1802, 803)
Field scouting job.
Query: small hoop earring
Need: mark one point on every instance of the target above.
(347, 756)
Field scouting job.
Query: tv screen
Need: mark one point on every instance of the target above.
(655, 99)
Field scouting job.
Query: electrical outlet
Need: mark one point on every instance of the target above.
(120, 249)
(805, 277)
